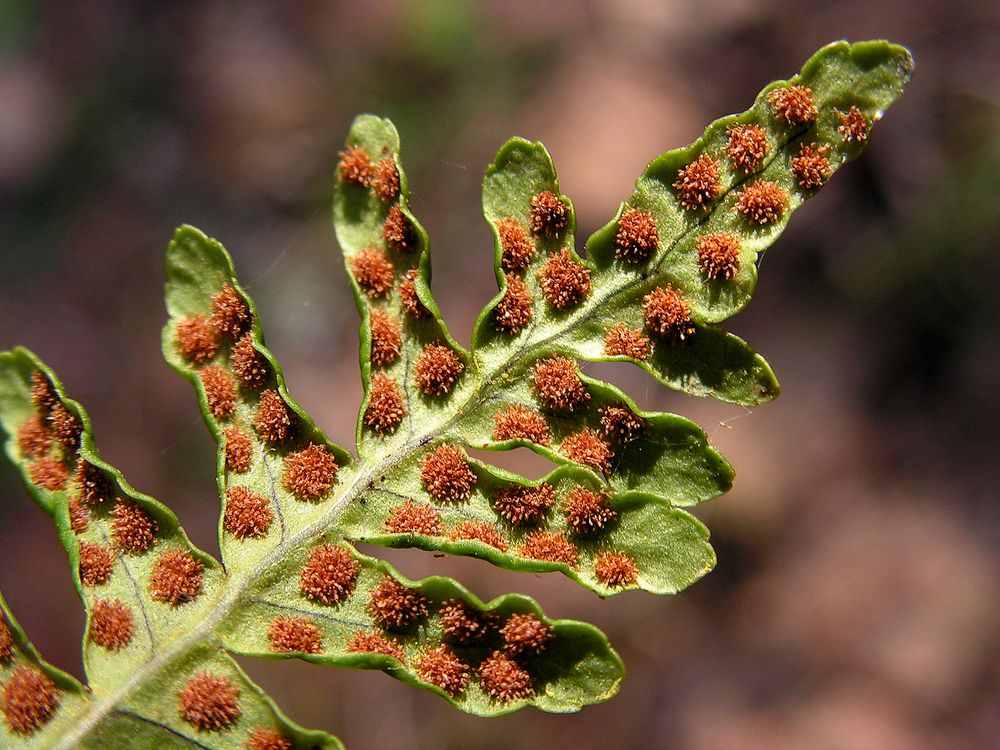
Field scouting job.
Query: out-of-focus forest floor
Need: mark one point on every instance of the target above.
(856, 603)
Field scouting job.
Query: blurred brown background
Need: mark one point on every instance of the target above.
(855, 604)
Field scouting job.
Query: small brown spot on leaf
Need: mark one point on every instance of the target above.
(197, 340)
(395, 606)
(446, 474)
(587, 447)
(636, 238)
(515, 422)
(385, 179)
(524, 506)
(698, 183)
(513, 312)
(33, 436)
(479, 531)
(854, 126)
(811, 167)
(373, 271)
(96, 564)
(219, 391)
(549, 215)
(248, 364)
(747, 146)
(79, 516)
(43, 394)
(263, 738)
(516, 246)
(310, 473)
(48, 473)
(762, 202)
(463, 624)
(503, 679)
(273, 420)
(230, 315)
(719, 255)
(209, 702)
(365, 642)
(794, 104)
(615, 569)
(248, 514)
(408, 295)
(111, 624)
(133, 530)
(239, 450)
(564, 282)
(397, 231)
(294, 635)
(414, 518)
(556, 381)
(95, 487)
(176, 578)
(441, 668)
(622, 341)
(621, 425)
(29, 700)
(355, 166)
(587, 512)
(525, 634)
(438, 369)
(386, 404)
(6, 641)
(387, 340)
(549, 546)
(66, 428)
(329, 575)
(668, 314)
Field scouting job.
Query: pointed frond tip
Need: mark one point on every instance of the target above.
(680, 256)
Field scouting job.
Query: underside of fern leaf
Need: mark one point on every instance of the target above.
(164, 619)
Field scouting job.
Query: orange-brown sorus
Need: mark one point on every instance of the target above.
(637, 237)
(262, 738)
(620, 424)
(230, 315)
(794, 104)
(197, 339)
(385, 179)
(219, 391)
(762, 202)
(854, 126)
(132, 528)
(386, 404)
(414, 518)
(33, 436)
(463, 624)
(247, 363)
(397, 231)
(294, 634)
(395, 606)
(556, 381)
(668, 314)
(408, 295)
(442, 668)
(310, 473)
(587, 512)
(446, 474)
(209, 702)
(622, 341)
(615, 569)
(525, 634)
(177, 577)
(248, 515)
(698, 183)
(29, 699)
(747, 146)
(549, 215)
(516, 246)
(373, 271)
(273, 420)
(96, 563)
(66, 428)
(111, 624)
(239, 450)
(549, 546)
(355, 166)
(587, 447)
(515, 421)
(387, 339)
(513, 312)
(94, 486)
(811, 167)
(479, 531)
(523, 506)
(719, 255)
(43, 393)
(79, 516)
(503, 679)
(329, 574)
(564, 282)
(438, 368)
(365, 642)
(48, 473)
(6, 642)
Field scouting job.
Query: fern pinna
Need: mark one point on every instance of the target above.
(680, 256)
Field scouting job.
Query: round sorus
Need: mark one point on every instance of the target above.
(386, 404)
(516, 246)
(387, 340)
(247, 363)
(176, 578)
(96, 564)
(373, 271)
(523, 506)
(310, 473)
(794, 104)
(517, 422)
(230, 315)
(239, 450)
(395, 606)
(549, 215)
(209, 702)
(564, 282)
(513, 312)
(414, 518)
(365, 642)
(329, 575)
(438, 369)
(463, 624)
(29, 699)
(48, 473)
(762, 202)
(622, 341)
(719, 255)
(43, 394)
(587, 511)
(525, 634)
(408, 295)
(668, 314)
(33, 436)
(446, 474)
(398, 232)
(503, 679)
(747, 146)
(248, 515)
(94, 486)
(441, 668)
(636, 238)
(385, 179)
(615, 569)
(111, 624)
(854, 126)
(6, 642)
(355, 166)
(65, 428)
(197, 340)
(587, 447)
(556, 381)
(294, 635)
(479, 531)
(79, 516)
(621, 425)
(263, 738)
(133, 530)
(549, 546)
(273, 420)
(811, 167)
(698, 183)
(219, 392)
